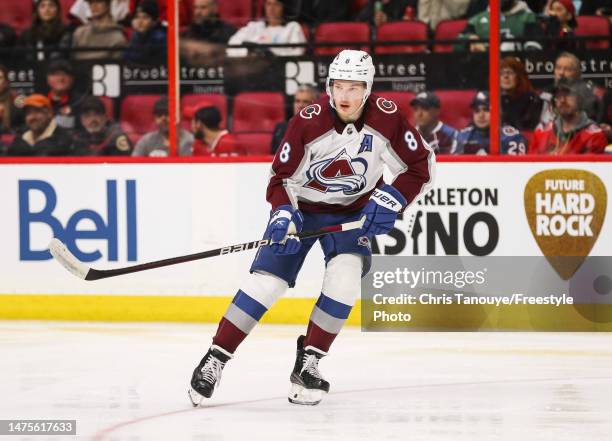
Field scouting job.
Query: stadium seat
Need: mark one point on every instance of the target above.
(258, 111)
(109, 106)
(402, 99)
(17, 14)
(340, 32)
(66, 5)
(137, 114)
(401, 30)
(191, 103)
(252, 144)
(236, 12)
(594, 26)
(455, 107)
(448, 30)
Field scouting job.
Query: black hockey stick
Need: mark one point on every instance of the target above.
(71, 263)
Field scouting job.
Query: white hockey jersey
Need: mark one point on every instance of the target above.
(326, 165)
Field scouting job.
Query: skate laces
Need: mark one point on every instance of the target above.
(211, 371)
(311, 365)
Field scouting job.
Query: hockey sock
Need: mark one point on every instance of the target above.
(247, 308)
(326, 321)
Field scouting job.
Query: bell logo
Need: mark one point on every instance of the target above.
(565, 210)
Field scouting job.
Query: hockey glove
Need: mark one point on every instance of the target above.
(284, 221)
(382, 209)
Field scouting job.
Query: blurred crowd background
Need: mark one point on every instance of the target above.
(89, 77)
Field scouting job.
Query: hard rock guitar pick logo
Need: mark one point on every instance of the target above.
(565, 210)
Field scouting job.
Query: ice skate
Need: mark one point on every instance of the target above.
(307, 384)
(207, 375)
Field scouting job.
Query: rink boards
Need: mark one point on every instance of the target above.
(120, 214)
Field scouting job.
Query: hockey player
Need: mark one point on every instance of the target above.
(328, 170)
(474, 139)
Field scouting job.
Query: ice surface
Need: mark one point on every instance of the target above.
(128, 382)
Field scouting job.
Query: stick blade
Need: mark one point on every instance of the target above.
(67, 259)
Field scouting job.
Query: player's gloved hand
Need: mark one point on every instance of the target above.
(285, 220)
(382, 209)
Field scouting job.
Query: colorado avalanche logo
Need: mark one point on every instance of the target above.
(310, 111)
(341, 173)
(386, 105)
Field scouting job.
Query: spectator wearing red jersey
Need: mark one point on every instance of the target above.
(206, 125)
(571, 131)
(521, 106)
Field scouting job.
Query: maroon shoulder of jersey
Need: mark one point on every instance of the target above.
(312, 122)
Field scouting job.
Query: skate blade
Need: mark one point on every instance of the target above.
(306, 397)
(194, 397)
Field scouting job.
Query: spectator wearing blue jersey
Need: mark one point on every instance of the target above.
(426, 111)
(474, 139)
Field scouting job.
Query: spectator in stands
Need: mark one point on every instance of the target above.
(304, 96)
(606, 118)
(156, 143)
(99, 135)
(47, 31)
(274, 29)
(64, 99)
(102, 31)
(377, 12)
(517, 21)
(43, 137)
(521, 106)
(426, 111)
(433, 12)
(148, 42)
(474, 139)
(572, 131)
(207, 131)
(313, 12)
(119, 10)
(567, 65)
(207, 25)
(559, 20)
(10, 116)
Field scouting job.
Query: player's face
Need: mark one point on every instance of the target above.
(482, 117)
(203, 10)
(301, 100)
(142, 22)
(47, 10)
(566, 103)
(37, 119)
(507, 79)
(425, 117)
(565, 68)
(93, 121)
(60, 82)
(348, 96)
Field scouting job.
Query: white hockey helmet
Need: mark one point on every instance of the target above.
(351, 65)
